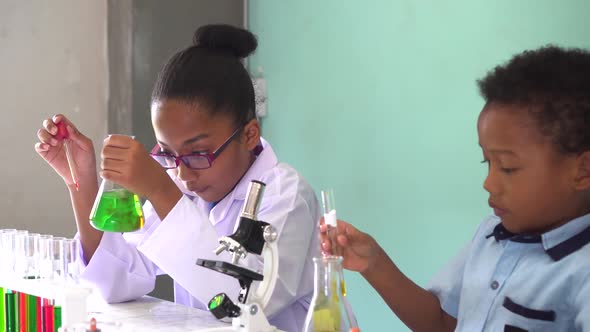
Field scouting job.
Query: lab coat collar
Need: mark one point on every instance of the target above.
(266, 160)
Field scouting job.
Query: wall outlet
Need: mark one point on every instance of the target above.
(260, 96)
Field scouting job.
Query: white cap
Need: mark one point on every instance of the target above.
(330, 218)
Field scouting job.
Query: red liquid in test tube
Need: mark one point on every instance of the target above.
(48, 316)
(39, 315)
(22, 312)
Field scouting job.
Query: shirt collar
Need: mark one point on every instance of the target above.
(557, 243)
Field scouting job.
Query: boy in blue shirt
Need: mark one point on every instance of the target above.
(527, 267)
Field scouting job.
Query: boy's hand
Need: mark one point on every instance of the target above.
(52, 150)
(359, 250)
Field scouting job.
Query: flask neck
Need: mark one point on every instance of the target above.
(328, 276)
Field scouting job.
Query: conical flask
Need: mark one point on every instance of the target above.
(329, 310)
(116, 209)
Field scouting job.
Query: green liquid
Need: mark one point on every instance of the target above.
(117, 211)
(326, 319)
(56, 318)
(2, 311)
(10, 312)
(16, 312)
(326, 313)
(31, 313)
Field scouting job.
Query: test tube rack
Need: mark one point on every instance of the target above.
(71, 298)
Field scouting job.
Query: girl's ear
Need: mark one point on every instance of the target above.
(582, 179)
(251, 134)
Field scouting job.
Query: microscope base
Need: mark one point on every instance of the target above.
(252, 319)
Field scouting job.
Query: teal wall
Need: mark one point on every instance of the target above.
(378, 100)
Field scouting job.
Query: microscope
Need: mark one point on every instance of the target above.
(255, 237)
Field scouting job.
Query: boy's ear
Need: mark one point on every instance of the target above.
(582, 179)
(252, 134)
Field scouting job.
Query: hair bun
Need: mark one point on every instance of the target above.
(226, 38)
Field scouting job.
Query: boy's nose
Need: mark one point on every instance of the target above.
(491, 185)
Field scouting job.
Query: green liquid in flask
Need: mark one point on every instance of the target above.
(118, 210)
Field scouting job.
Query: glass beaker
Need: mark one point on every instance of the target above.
(329, 310)
(116, 209)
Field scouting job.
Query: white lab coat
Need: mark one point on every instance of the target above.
(124, 267)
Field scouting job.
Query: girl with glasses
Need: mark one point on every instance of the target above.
(195, 180)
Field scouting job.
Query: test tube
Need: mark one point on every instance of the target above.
(59, 269)
(16, 311)
(10, 313)
(7, 241)
(20, 259)
(2, 309)
(330, 219)
(39, 314)
(5, 269)
(31, 255)
(329, 204)
(6, 250)
(48, 315)
(2, 300)
(70, 254)
(31, 313)
(22, 312)
(46, 257)
(56, 317)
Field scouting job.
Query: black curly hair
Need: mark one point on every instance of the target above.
(210, 72)
(553, 84)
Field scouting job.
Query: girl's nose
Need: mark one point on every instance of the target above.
(184, 173)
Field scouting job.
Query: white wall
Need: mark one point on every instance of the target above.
(53, 59)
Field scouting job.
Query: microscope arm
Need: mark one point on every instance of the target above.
(266, 287)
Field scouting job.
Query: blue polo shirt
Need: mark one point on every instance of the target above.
(506, 282)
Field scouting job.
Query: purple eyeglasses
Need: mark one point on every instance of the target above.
(201, 160)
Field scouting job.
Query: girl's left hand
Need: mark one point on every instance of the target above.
(126, 162)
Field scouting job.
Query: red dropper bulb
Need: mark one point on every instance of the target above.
(92, 325)
(62, 131)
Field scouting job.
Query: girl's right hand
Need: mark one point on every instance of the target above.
(52, 150)
(359, 250)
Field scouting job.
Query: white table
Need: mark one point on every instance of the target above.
(149, 314)
(146, 314)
